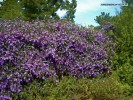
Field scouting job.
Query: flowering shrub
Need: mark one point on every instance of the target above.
(41, 49)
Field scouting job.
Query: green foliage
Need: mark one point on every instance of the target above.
(129, 2)
(10, 9)
(45, 9)
(103, 18)
(71, 9)
(69, 88)
(1, 3)
(107, 89)
(37, 9)
(123, 37)
(49, 90)
(125, 73)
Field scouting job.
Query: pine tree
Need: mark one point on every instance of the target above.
(71, 9)
(10, 9)
(103, 19)
(124, 35)
(45, 9)
(0, 10)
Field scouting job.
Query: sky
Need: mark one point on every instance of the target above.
(87, 10)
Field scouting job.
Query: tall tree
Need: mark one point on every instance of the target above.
(123, 24)
(44, 9)
(123, 35)
(129, 2)
(10, 9)
(1, 10)
(71, 9)
(123, 59)
(103, 18)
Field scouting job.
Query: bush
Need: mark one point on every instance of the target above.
(49, 90)
(71, 89)
(107, 89)
(125, 73)
(123, 35)
(37, 50)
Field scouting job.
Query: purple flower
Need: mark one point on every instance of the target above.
(31, 51)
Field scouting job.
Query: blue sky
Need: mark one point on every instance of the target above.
(87, 10)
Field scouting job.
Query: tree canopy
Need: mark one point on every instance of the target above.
(37, 9)
(10, 9)
(103, 18)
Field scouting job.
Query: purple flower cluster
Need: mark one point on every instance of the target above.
(41, 49)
